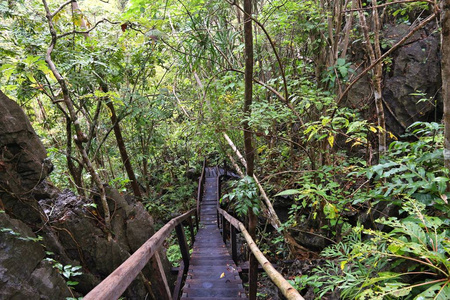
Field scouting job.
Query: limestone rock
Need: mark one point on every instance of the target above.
(24, 274)
(23, 163)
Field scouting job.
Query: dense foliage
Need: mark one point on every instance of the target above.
(171, 72)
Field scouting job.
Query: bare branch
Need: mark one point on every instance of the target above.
(87, 31)
(60, 8)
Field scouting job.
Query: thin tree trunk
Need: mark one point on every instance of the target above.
(73, 169)
(445, 42)
(249, 151)
(121, 144)
(80, 137)
(378, 73)
(348, 30)
(378, 76)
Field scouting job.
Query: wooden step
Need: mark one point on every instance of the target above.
(213, 292)
(215, 298)
(218, 283)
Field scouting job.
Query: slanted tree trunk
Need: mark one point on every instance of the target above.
(269, 211)
(445, 42)
(121, 144)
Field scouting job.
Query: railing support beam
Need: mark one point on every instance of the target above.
(183, 245)
(233, 242)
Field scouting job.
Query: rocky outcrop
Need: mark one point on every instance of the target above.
(411, 79)
(71, 227)
(80, 230)
(24, 272)
(23, 163)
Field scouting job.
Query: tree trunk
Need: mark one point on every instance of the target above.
(249, 151)
(445, 42)
(80, 137)
(121, 144)
(374, 54)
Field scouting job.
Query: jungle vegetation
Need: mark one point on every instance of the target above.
(135, 93)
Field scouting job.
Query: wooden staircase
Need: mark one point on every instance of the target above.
(212, 273)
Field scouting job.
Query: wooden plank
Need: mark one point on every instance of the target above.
(213, 292)
(163, 277)
(215, 298)
(117, 282)
(181, 272)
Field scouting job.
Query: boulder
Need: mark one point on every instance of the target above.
(24, 272)
(23, 163)
(412, 86)
(411, 80)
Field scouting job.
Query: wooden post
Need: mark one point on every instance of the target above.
(233, 243)
(196, 219)
(191, 230)
(224, 229)
(183, 245)
(177, 289)
(162, 278)
(253, 263)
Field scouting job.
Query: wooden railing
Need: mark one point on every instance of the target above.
(283, 285)
(200, 190)
(223, 220)
(117, 282)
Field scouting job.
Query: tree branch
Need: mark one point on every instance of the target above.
(272, 44)
(60, 8)
(395, 47)
(87, 31)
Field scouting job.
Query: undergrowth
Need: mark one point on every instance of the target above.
(405, 255)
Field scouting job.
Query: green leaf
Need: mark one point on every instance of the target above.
(288, 193)
(330, 211)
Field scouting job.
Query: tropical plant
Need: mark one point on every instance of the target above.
(243, 197)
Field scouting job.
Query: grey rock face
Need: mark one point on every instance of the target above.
(22, 162)
(415, 70)
(411, 80)
(24, 274)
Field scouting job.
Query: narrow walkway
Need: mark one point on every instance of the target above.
(212, 273)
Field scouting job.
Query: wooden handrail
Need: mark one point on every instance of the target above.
(117, 282)
(200, 189)
(283, 285)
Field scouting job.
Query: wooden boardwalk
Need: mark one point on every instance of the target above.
(212, 273)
